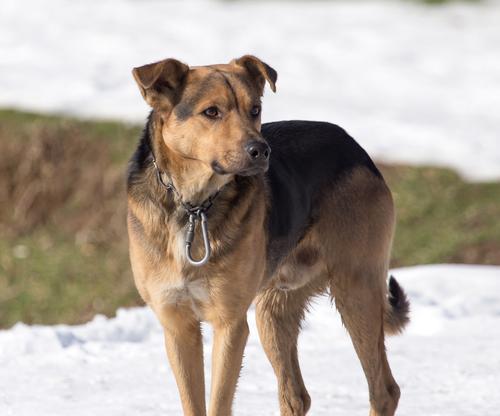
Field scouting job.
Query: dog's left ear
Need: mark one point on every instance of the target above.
(259, 70)
(160, 82)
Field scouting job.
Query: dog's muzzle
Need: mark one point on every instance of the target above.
(258, 153)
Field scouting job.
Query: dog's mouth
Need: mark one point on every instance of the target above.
(254, 170)
(249, 170)
(217, 168)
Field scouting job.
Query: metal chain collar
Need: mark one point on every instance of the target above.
(195, 213)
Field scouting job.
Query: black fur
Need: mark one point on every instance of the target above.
(399, 315)
(142, 157)
(397, 297)
(307, 158)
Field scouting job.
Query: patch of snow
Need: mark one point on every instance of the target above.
(411, 83)
(447, 362)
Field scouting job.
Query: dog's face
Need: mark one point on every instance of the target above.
(211, 113)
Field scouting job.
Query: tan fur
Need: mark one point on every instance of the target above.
(346, 252)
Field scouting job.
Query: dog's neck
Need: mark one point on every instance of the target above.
(193, 180)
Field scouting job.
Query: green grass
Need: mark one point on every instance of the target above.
(63, 243)
(441, 218)
(47, 278)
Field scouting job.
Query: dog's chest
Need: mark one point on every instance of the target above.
(175, 290)
(172, 287)
(183, 291)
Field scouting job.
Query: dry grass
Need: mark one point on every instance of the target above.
(63, 244)
(45, 177)
(62, 220)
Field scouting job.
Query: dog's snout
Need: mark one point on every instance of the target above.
(258, 151)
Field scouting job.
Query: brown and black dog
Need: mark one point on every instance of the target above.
(224, 211)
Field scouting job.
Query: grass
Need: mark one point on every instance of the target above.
(441, 218)
(63, 244)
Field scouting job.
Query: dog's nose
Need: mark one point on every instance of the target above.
(258, 151)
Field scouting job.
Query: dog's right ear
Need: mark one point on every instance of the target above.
(160, 82)
(259, 70)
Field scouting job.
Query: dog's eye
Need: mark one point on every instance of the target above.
(255, 111)
(211, 112)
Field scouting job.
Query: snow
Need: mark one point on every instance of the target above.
(446, 362)
(412, 83)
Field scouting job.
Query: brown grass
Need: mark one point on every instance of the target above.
(62, 223)
(63, 242)
(54, 172)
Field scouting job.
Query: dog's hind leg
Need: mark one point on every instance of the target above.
(361, 300)
(279, 315)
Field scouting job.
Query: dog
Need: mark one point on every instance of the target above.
(224, 211)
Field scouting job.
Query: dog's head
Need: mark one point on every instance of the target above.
(211, 113)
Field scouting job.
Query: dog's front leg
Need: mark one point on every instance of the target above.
(184, 346)
(229, 342)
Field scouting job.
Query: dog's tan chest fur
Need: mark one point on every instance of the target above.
(181, 291)
(161, 279)
(171, 287)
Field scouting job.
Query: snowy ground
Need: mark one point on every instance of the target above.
(447, 363)
(412, 83)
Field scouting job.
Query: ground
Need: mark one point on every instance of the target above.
(63, 251)
(446, 362)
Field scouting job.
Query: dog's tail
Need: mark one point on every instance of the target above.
(398, 310)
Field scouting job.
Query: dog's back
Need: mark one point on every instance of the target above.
(308, 158)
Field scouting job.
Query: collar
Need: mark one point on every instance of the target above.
(196, 213)
(187, 206)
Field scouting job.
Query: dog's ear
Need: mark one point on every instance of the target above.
(259, 70)
(160, 82)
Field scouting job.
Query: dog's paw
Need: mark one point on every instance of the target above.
(296, 405)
